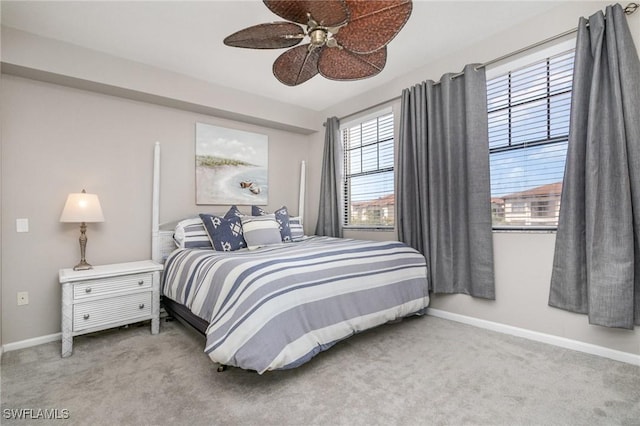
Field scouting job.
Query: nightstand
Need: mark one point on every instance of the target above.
(109, 296)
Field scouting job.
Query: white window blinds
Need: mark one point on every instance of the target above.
(369, 199)
(528, 133)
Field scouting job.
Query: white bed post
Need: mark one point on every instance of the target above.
(303, 172)
(155, 209)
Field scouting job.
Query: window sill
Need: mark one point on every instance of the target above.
(369, 228)
(525, 229)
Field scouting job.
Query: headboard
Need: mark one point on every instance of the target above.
(162, 239)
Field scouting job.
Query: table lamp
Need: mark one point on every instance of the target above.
(82, 208)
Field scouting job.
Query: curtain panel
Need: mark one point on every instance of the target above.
(443, 189)
(596, 266)
(329, 221)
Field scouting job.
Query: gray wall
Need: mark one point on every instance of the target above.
(523, 271)
(58, 140)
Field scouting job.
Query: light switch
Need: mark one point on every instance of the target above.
(22, 225)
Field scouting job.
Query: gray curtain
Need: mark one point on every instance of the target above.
(596, 266)
(443, 190)
(329, 222)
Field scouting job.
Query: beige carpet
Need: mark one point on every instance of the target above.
(426, 371)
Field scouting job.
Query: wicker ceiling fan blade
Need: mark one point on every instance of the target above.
(276, 35)
(341, 64)
(297, 65)
(373, 24)
(328, 13)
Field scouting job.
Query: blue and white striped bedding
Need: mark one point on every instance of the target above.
(278, 306)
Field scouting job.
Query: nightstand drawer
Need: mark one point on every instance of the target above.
(99, 312)
(98, 287)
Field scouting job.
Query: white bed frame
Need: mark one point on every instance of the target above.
(162, 240)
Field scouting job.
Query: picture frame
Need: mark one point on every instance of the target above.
(232, 166)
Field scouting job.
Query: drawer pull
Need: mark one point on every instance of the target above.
(140, 282)
(86, 316)
(88, 289)
(141, 306)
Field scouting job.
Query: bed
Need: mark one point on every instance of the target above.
(275, 306)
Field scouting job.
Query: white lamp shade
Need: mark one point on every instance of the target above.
(82, 207)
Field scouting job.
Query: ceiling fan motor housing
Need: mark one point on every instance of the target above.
(318, 36)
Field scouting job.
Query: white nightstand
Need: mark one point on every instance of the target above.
(109, 296)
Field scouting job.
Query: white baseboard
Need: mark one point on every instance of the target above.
(476, 322)
(31, 342)
(563, 342)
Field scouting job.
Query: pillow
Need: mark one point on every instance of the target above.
(260, 231)
(281, 216)
(258, 211)
(225, 234)
(190, 233)
(295, 225)
(233, 212)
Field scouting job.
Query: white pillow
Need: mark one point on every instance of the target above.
(297, 232)
(260, 231)
(190, 233)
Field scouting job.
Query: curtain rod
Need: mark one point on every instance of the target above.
(628, 10)
(379, 104)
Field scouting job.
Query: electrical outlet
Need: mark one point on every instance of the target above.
(23, 298)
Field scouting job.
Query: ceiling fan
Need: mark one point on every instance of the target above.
(347, 38)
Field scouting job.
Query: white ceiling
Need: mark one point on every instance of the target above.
(186, 37)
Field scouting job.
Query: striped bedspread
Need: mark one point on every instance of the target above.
(278, 306)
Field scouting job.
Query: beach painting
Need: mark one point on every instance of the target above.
(231, 166)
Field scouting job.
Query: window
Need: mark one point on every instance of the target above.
(369, 199)
(528, 133)
(541, 208)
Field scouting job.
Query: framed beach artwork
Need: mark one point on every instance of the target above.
(231, 166)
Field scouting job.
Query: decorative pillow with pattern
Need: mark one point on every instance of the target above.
(225, 233)
(233, 212)
(258, 211)
(281, 216)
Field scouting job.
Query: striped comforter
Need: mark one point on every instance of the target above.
(278, 306)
